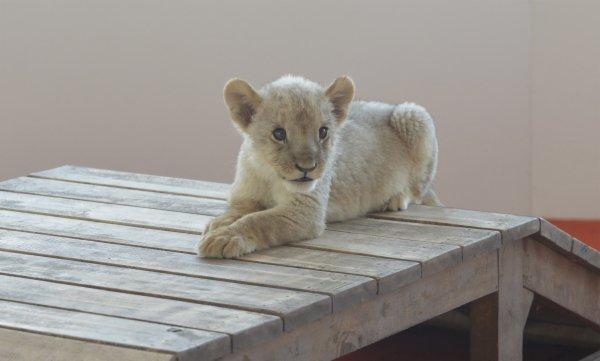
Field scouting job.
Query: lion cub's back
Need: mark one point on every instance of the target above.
(370, 166)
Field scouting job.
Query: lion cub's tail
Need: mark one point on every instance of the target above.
(414, 124)
(431, 199)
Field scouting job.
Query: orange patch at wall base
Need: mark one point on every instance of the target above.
(587, 231)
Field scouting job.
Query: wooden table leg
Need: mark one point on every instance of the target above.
(498, 320)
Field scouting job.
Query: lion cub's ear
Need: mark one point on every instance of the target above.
(340, 94)
(242, 101)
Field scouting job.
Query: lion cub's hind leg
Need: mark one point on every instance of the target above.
(416, 129)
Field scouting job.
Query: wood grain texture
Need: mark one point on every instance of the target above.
(112, 195)
(512, 227)
(473, 242)
(245, 328)
(185, 343)
(389, 273)
(137, 181)
(345, 290)
(562, 280)
(26, 346)
(294, 307)
(101, 212)
(433, 257)
(339, 334)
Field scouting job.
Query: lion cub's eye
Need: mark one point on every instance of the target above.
(323, 132)
(279, 134)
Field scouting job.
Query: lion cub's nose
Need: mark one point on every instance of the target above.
(304, 169)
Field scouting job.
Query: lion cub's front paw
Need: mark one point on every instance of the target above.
(399, 202)
(221, 221)
(224, 243)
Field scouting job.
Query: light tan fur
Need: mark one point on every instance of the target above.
(374, 157)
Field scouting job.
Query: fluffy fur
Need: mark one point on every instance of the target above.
(374, 157)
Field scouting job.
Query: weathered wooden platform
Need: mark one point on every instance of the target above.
(100, 265)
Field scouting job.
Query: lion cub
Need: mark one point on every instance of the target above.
(310, 155)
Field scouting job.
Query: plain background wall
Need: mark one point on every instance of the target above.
(136, 85)
(566, 108)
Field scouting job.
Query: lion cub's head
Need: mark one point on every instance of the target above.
(292, 124)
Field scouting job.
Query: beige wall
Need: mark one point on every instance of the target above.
(566, 108)
(135, 85)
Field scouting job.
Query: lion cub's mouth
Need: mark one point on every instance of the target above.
(303, 179)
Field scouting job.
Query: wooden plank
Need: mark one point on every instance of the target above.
(473, 242)
(514, 302)
(112, 195)
(498, 320)
(389, 273)
(345, 290)
(101, 212)
(185, 343)
(371, 321)
(512, 227)
(182, 242)
(245, 328)
(562, 280)
(137, 181)
(586, 254)
(554, 236)
(295, 307)
(26, 346)
(102, 232)
(433, 257)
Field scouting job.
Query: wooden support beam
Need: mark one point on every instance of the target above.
(535, 330)
(351, 329)
(498, 320)
(562, 280)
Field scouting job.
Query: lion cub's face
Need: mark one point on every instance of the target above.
(292, 124)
